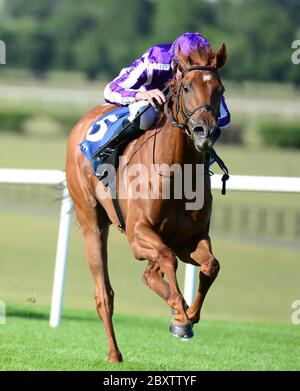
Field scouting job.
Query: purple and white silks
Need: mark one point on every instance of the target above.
(151, 70)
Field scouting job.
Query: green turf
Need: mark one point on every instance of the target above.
(28, 343)
(256, 282)
(32, 152)
(50, 153)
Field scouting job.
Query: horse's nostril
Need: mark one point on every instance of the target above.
(199, 129)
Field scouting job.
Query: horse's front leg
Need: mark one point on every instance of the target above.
(147, 244)
(209, 270)
(154, 279)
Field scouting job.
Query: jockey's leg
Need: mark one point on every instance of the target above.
(147, 119)
(134, 122)
(130, 128)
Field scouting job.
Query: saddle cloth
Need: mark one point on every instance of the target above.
(101, 132)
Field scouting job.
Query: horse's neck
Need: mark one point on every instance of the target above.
(174, 146)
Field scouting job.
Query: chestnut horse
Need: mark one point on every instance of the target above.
(158, 230)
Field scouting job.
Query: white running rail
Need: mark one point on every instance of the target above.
(50, 177)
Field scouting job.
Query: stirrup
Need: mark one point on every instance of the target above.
(102, 175)
(105, 153)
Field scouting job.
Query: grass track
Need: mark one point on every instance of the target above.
(28, 343)
(50, 153)
(256, 283)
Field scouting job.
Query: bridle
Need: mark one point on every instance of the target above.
(180, 110)
(187, 117)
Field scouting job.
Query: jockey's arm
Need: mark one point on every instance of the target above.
(127, 87)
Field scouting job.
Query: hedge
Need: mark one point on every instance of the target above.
(14, 120)
(280, 133)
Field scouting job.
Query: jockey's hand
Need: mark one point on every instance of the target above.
(152, 96)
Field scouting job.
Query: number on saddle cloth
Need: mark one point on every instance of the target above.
(101, 131)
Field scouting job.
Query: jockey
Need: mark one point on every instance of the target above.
(142, 82)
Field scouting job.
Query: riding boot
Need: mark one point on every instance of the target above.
(126, 132)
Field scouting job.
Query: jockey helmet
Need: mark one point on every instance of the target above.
(188, 42)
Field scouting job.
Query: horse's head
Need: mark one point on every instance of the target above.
(198, 91)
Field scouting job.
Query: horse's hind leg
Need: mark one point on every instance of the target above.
(94, 224)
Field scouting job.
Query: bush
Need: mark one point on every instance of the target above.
(19, 120)
(67, 121)
(284, 134)
(11, 120)
(233, 135)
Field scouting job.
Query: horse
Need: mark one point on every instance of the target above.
(159, 231)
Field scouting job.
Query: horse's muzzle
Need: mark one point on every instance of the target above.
(205, 137)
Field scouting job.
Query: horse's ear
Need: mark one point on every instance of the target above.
(183, 61)
(220, 57)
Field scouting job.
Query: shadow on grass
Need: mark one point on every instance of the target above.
(31, 313)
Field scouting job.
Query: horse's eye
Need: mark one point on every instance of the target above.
(185, 88)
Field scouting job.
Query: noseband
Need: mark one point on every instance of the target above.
(179, 110)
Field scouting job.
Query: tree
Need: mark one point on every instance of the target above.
(260, 36)
(175, 17)
(100, 37)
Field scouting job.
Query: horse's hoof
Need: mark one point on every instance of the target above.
(183, 331)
